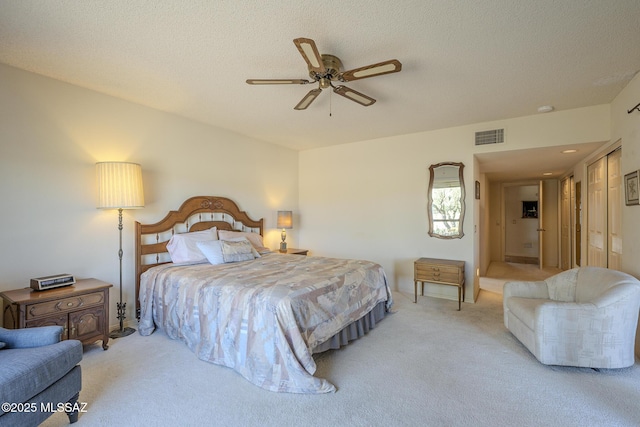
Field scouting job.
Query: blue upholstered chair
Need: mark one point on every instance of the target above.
(38, 374)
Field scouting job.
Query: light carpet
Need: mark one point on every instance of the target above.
(425, 365)
(500, 272)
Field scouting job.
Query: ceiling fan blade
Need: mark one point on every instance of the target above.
(386, 67)
(355, 96)
(277, 81)
(308, 99)
(309, 52)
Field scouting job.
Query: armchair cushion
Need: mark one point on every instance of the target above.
(581, 317)
(28, 371)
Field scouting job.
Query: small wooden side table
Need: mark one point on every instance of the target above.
(297, 251)
(441, 272)
(82, 309)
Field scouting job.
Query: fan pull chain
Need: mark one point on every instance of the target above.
(330, 98)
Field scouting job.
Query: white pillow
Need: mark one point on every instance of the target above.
(183, 249)
(215, 253)
(212, 250)
(254, 238)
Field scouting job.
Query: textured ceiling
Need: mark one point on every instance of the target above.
(463, 61)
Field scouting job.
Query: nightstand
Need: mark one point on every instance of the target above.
(294, 251)
(81, 309)
(441, 272)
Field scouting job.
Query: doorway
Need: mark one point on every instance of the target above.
(522, 211)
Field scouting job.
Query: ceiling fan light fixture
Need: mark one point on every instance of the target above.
(325, 69)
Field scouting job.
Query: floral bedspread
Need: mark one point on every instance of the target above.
(262, 317)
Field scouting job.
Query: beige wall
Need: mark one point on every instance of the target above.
(51, 136)
(361, 200)
(368, 199)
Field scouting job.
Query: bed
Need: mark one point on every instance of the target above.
(264, 317)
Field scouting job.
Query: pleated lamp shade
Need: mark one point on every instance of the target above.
(119, 185)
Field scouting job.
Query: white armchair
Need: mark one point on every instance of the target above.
(583, 317)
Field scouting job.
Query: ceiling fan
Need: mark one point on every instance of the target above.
(326, 69)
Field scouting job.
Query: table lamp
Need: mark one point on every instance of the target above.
(285, 221)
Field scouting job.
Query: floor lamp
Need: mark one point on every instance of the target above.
(120, 187)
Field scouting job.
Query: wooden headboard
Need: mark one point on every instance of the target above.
(195, 214)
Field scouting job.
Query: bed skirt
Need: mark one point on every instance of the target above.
(354, 330)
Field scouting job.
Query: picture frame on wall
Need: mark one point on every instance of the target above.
(530, 209)
(477, 190)
(631, 189)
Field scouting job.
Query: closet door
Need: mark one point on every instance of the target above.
(604, 212)
(614, 210)
(597, 214)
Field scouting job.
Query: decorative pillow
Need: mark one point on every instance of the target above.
(256, 254)
(182, 247)
(254, 238)
(212, 250)
(236, 251)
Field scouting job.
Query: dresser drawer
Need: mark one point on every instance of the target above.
(64, 305)
(434, 268)
(438, 276)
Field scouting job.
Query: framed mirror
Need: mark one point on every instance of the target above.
(446, 200)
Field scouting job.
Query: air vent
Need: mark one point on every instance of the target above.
(495, 136)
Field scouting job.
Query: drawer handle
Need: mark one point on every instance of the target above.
(69, 304)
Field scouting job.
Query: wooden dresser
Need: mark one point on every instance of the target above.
(441, 272)
(82, 309)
